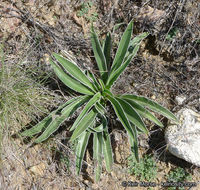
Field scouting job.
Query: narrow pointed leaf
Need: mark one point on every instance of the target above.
(91, 103)
(47, 120)
(99, 55)
(132, 132)
(97, 154)
(123, 47)
(116, 26)
(151, 105)
(85, 123)
(59, 119)
(107, 49)
(134, 144)
(102, 84)
(121, 115)
(107, 148)
(96, 84)
(69, 81)
(37, 128)
(97, 129)
(114, 75)
(80, 150)
(106, 91)
(135, 42)
(138, 38)
(73, 70)
(144, 112)
(132, 115)
(100, 108)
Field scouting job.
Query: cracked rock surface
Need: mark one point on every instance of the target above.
(184, 139)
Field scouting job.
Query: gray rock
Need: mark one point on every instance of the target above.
(183, 139)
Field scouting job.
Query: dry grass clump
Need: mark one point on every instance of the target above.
(22, 99)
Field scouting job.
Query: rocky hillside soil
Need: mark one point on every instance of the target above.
(167, 66)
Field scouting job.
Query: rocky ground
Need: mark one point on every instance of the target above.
(167, 66)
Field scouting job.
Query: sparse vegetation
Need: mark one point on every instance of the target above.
(97, 93)
(86, 12)
(146, 169)
(172, 33)
(178, 175)
(166, 66)
(22, 99)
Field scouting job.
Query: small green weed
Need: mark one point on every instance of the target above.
(198, 41)
(178, 175)
(61, 158)
(86, 12)
(96, 95)
(172, 33)
(65, 160)
(146, 169)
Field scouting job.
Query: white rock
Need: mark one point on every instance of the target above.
(184, 139)
(180, 99)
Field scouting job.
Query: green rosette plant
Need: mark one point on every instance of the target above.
(95, 95)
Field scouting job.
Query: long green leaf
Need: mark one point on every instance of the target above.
(74, 71)
(37, 128)
(144, 112)
(47, 120)
(132, 115)
(122, 48)
(151, 105)
(102, 84)
(100, 108)
(134, 144)
(107, 49)
(97, 154)
(96, 84)
(114, 75)
(85, 123)
(91, 103)
(99, 55)
(120, 114)
(69, 81)
(122, 117)
(97, 129)
(116, 26)
(80, 150)
(107, 148)
(135, 42)
(59, 119)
